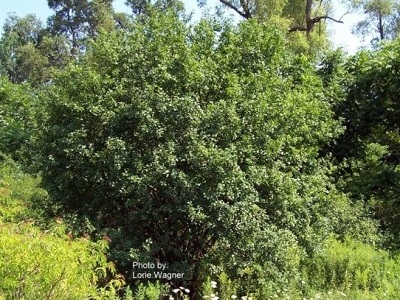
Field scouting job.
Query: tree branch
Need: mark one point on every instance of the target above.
(245, 14)
(318, 19)
(312, 22)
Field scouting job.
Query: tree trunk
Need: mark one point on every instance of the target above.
(380, 27)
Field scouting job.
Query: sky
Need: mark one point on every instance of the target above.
(341, 33)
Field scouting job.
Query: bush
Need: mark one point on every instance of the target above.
(185, 143)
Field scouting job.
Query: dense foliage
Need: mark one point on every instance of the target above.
(18, 108)
(220, 150)
(369, 148)
(163, 135)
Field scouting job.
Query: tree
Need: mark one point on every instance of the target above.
(368, 150)
(187, 145)
(143, 9)
(303, 16)
(80, 19)
(140, 7)
(28, 53)
(18, 32)
(382, 19)
(304, 20)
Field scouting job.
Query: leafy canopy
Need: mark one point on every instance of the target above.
(180, 140)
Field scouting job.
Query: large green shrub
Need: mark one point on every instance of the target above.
(185, 143)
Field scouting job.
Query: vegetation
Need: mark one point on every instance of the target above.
(382, 19)
(45, 263)
(149, 157)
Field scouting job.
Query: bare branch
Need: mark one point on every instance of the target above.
(318, 19)
(244, 14)
(348, 11)
(312, 22)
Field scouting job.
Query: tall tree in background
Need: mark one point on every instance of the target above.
(28, 52)
(300, 18)
(18, 32)
(143, 7)
(382, 19)
(303, 15)
(255, 8)
(31, 52)
(80, 19)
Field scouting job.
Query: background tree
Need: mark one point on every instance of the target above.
(369, 148)
(79, 20)
(382, 19)
(18, 32)
(140, 7)
(255, 8)
(303, 16)
(28, 53)
(298, 17)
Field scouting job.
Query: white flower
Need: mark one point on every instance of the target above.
(175, 290)
(214, 284)
(234, 297)
(187, 291)
(215, 298)
(171, 298)
(244, 298)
